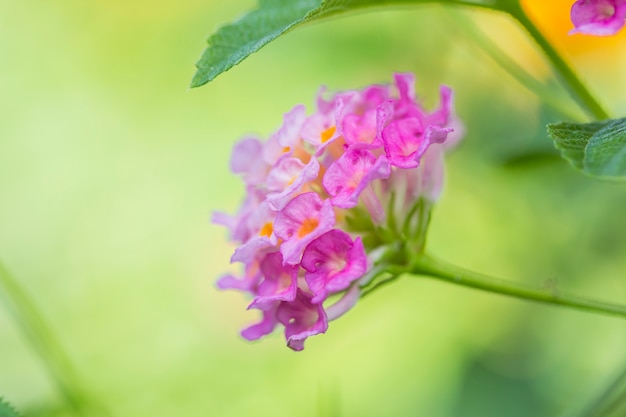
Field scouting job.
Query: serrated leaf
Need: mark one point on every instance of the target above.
(232, 43)
(597, 148)
(6, 410)
(572, 139)
(605, 154)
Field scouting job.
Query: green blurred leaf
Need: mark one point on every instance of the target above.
(597, 148)
(608, 402)
(6, 410)
(233, 43)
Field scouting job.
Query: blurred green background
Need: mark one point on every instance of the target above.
(110, 167)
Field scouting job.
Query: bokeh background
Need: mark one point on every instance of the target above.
(110, 167)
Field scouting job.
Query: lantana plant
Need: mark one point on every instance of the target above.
(334, 199)
(338, 200)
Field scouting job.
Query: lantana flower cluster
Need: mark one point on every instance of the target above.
(598, 17)
(321, 194)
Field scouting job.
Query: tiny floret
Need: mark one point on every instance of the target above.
(328, 197)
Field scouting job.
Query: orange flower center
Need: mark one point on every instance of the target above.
(307, 227)
(267, 229)
(327, 134)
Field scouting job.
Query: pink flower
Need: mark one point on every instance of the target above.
(245, 160)
(259, 229)
(321, 129)
(319, 192)
(287, 139)
(362, 129)
(250, 279)
(238, 224)
(265, 326)
(361, 119)
(287, 178)
(279, 281)
(406, 85)
(231, 282)
(442, 116)
(406, 141)
(333, 261)
(347, 177)
(598, 17)
(301, 221)
(301, 318)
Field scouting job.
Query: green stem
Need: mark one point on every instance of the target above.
(502, 59)
(391, 273)
(44, 342)
(434, 268)
(576, 88)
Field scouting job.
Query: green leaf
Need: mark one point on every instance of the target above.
(232, 43)
(605, 154)
(6, 410)
(235, 42)
(597, 148)
(572, 139)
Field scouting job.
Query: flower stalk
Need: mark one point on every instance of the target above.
(566, 74)
(556, 99)
(432, 267)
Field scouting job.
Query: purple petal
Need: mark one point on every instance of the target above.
(347, 177)
(301, 319)
(279, 281)
(245, 160)
(289, 176)
(406, 86)
(243, 226)
(287, 138)
(333, 261)
(406, 140)
(361, 129)
(598, 17)
(264, 327)
(252, 248)
(441, 116)
(302, 220)
(289, 134)
(319, 129)
(230, 282)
